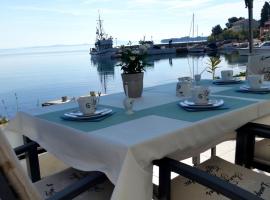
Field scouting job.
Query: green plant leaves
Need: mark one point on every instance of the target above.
(213, 63)
(132, 61)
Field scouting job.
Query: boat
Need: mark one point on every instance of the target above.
(152, 49)
(228, 48)
(264, 48)
(196, 49)
(104, 43)
(63, 100)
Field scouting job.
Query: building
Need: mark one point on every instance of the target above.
(242, 25)
(265, 31)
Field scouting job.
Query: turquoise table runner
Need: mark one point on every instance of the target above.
(233, 93)
(170, 110)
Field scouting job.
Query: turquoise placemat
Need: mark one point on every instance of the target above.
(232, 85)
(170, 110)
(233, 93)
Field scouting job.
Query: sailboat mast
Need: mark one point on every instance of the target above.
(193, 26)
(197, 30)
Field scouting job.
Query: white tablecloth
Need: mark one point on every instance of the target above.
(125, 151)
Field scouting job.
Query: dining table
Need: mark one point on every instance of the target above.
(123, 146)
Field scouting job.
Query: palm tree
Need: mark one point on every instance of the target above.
(249, 5)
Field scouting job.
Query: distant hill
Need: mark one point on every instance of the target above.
(184, 39)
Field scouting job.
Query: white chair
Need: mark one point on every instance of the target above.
(67, 184)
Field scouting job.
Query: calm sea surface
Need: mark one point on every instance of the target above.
(32, 76)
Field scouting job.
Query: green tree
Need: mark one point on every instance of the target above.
(216, 30)
(265, 13)
(231, 20)
(229, 35)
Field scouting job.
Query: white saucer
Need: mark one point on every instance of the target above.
(96, 114)
(233, 80)
(213, 103)
(261, 89)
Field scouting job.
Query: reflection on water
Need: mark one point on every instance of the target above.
(106, 66)
(38, 77)
(105, 69)
(235, 59)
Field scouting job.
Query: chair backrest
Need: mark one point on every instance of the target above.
(14, 173)
(259, 64)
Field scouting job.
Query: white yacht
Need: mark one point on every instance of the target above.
(104, 43)
(196, 49)
(261, 49)
(152, 49)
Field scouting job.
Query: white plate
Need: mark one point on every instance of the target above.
(261, 89)
(98, 113)
(214, 104)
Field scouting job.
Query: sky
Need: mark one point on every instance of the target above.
(26, 23)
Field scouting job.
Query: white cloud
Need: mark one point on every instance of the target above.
(74, 12)
(170, 2)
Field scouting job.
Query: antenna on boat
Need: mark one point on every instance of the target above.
(100, 31)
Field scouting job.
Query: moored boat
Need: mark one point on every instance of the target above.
(104, 43)
(152, 49)
(261, 49)
(196, 49)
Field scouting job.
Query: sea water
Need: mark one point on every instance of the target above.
(32, 76)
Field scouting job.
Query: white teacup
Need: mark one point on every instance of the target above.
(183, 87)
(227, 74)
(200, 94)
(88, 104)
(255, 81)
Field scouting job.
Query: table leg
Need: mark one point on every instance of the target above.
(213, 151)
(196, 160)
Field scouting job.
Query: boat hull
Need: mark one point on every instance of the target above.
(105, 52)
(245, 51)
(161, 51)
(196, 50)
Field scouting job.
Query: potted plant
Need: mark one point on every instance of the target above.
(133, 64)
